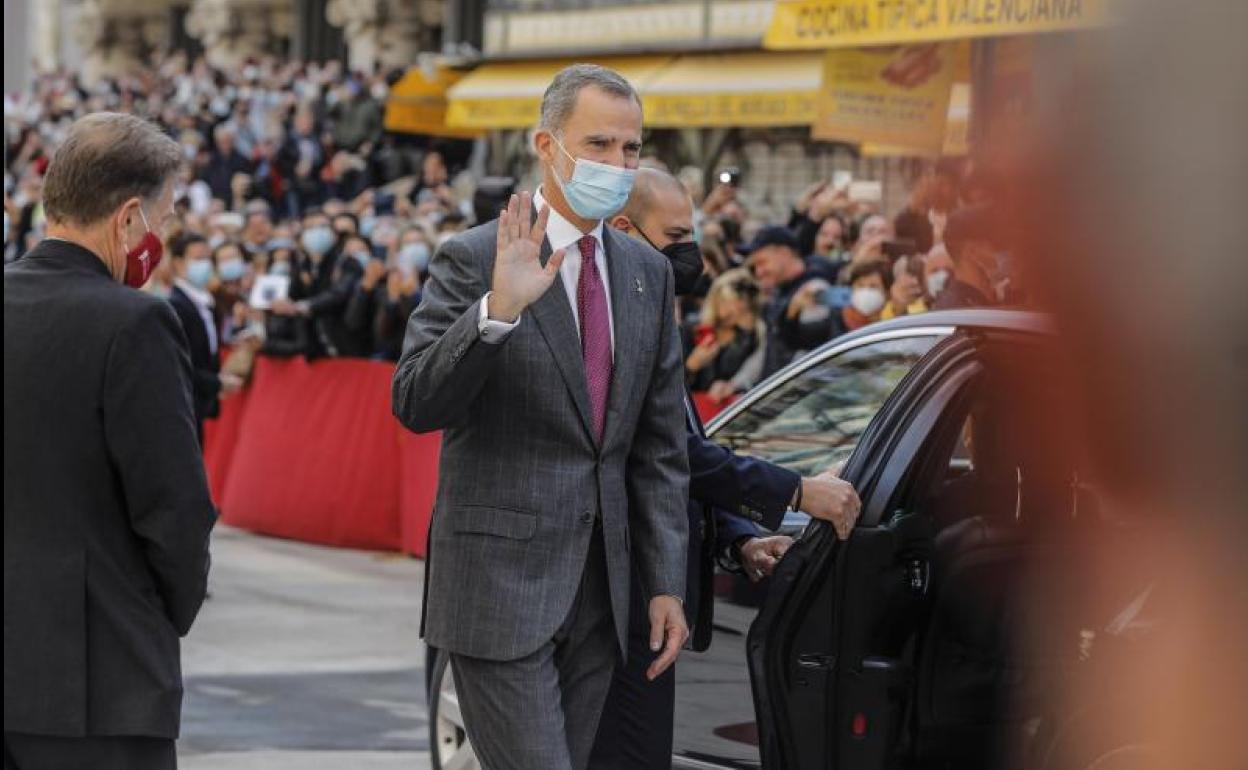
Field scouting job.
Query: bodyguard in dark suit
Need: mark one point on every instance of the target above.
(729, 495)
(192, 302)
(106, 506)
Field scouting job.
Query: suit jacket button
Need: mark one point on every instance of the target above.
(586, 517)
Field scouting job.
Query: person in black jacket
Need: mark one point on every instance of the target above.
(192, 301)
(777, 264)
(729, 496)
(107, 513)
(324, 285)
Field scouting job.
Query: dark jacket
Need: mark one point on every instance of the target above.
(728, 495)
(961, 295)
(107, 512)
(787, 336)
(372, 313)
(221, 169)
(205, 363)
(334, 281)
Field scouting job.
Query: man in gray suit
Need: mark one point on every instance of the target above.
(545, 349)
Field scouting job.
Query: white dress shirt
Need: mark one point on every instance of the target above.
(561, 234)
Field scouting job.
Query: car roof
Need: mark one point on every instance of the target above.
(988, 319)
(942, 321)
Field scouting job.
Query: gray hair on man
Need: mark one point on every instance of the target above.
(560, 97)
(106, 159)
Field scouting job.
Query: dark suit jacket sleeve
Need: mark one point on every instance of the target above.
(754, 489)
(658, 467)
(445, 363)
(149, 428)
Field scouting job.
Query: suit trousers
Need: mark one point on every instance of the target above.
(24, 751)
(635, 732)
(540, 712)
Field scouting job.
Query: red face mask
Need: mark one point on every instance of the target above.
(141, 261)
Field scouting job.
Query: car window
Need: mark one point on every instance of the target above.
(815, 419)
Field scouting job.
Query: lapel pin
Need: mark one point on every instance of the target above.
(640, 289)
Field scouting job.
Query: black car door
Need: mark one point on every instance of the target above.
(826, 650)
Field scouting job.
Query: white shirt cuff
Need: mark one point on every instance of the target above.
(490, 330)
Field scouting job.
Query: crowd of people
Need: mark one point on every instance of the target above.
(303, 228)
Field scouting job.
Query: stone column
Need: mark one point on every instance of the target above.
(385, 32)
(233, 30)
(116, 35)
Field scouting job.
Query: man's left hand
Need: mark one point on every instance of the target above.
(668, 632)
(760, 555)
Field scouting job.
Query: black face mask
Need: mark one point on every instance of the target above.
(686, 259)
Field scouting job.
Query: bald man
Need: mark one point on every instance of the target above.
(729, 497)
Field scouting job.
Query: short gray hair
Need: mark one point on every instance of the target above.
(560, 97)
(106, 159)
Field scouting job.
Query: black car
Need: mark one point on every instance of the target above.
(936, 636)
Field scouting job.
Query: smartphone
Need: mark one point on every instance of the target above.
(835, 296)
(383, 204)
(730, 176)
(863, 191)
(841, 180)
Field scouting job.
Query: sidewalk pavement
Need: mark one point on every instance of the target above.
(305, 657)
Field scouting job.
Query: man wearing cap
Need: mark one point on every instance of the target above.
(775, 259)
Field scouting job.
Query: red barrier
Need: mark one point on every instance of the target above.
(318, 457)
(311, 452)
(220, 438)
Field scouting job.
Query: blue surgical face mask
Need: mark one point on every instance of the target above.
(413, 257)
(232, 270)
(318, 240)
(596, 190)
(279, 268)
(362, 257)
(366, 226)
(199, 273)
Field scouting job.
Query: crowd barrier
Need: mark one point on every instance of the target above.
(311, 452)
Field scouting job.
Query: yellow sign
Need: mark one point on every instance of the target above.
(417, 103)
(734, 90)
(891, 97)
(803, 24)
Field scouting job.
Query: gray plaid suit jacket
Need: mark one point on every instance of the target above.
(521, 479)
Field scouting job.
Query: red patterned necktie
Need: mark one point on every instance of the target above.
(591, 306)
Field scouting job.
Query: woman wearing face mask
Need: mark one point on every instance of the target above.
(192, 300)
(870, 282)
(229, 289)
(730, 334)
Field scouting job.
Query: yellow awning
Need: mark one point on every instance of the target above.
(417, 103)
(814, 24)
(734, 90)
(509, 94)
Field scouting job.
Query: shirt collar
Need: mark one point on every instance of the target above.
(199, 296)
(561, 233)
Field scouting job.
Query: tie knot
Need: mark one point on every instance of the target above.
(588, 245)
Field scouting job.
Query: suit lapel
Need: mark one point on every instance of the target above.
(628, 311)
(553, 315)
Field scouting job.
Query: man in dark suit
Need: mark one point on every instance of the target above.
(192, 301)
(729, 495)
(546, 351)
(106, 506)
